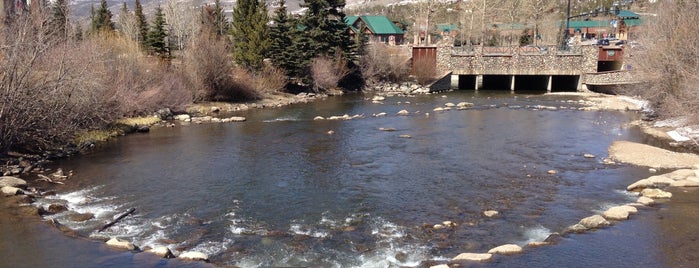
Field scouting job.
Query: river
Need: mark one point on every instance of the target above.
(281, 190)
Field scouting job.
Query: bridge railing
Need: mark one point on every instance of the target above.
(497, 51)
(463, 51)
(533, 50)
(569, 50)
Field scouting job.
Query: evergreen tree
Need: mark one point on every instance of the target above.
(325, 25)
(280, 35)
(157, 36)
(141, 24)
(220, 21)
(59, 19)
(249, 33)
(101, 19)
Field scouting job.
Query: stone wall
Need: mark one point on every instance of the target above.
(515, 60)
(610, 78)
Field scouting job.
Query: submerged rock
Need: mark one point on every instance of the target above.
(403, 112)
(490, 213)
(576, 228)
(646, 201)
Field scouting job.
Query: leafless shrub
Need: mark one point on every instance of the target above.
(326, 72)
(46, 94)
(52, 88)
(669, 60)
(212, 74)
(270, 79)
(382, 63)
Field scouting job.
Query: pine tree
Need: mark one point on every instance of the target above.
(59, 19)
(250, 33)
(141, 23)
(101, 19)
(280, 35)
(220, 21)
(157, 36)
(326, 27)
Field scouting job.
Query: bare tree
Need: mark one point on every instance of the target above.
(670, 59)
(183, 22)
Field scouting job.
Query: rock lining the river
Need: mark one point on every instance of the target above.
(194, 256)
(120, 244)
(506, 249)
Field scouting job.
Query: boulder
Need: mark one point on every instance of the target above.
(595, 221)
(81, 217)
(661, 180)
(553, 238)
(164, 114)
(120, 244)
(681, 174)
(616, 213)
(576, 228)
(9, 191)
(506, 249)
(403, 112)
(449, 104)
(646, 201)
(194, 256)
(473, 257)
(589, 155)
(318, 118)
(378, 98)
(490, 213)
(685, 183)
(464, 104)
(438, 109)
(655, 193)
(639, 185)
(12, 181)
(405, 136)
(162, 251)
(440, 266)
(56, 208)
(379, 114)
(237, 119)
(537, 244)
(182, 117)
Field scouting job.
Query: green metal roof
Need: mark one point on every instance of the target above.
(579, 24)
(376, 24)
(447, 27)
(627, 14)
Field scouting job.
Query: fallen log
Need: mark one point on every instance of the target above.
(131, 210)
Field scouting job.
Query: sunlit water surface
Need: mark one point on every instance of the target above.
(279, 190)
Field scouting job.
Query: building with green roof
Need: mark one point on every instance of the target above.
(376, 28)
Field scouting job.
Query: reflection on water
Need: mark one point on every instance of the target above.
(278, 190)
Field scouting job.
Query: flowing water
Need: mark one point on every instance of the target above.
(279, 190)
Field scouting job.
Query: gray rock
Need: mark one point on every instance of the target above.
(56, 208)
(506, 249)
(641, 184)
(9, 191)
(576, 228)
(490, 213)
(13, 182)
(193, 255)
(164, 114)
(646, 201)
(162, 251)
(616, 213)
(473, 257)
(403, 112)
(81, 217)
(656, 193)
(120, 244)
(595, 221)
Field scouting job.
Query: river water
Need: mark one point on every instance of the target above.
(279, 190)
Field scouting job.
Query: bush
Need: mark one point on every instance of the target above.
(270, 79)
(327, 72)
(384, 63)
(669, 60)
(212, 74)
(50, 89)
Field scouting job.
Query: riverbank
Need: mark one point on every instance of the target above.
(379, 106)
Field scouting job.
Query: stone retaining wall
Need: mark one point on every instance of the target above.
(515, 60)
